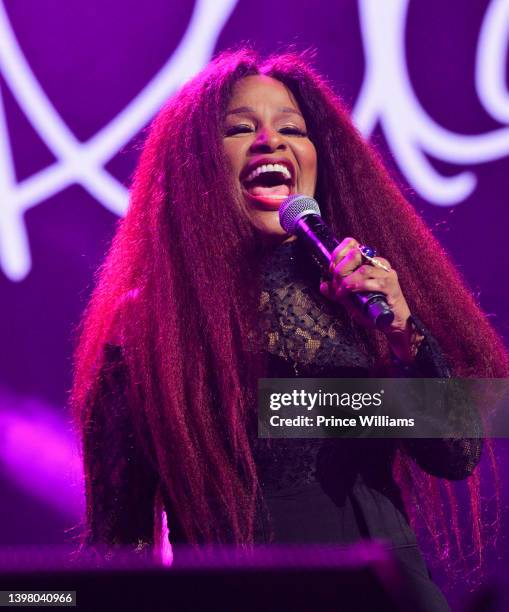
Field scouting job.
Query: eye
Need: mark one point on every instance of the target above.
(293, 131)
(241, 128)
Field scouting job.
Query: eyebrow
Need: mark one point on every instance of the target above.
(248, 109)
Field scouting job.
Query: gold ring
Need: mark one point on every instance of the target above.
(376, 262)
(369, 253)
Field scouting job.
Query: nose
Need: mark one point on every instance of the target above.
(267, 140)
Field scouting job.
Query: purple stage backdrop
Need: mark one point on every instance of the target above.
(426, 81)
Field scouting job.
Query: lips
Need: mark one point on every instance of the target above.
(266, 202)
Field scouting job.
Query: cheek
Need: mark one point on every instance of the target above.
(235, 152)
(309, 161)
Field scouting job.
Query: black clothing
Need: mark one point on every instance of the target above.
(314, 490)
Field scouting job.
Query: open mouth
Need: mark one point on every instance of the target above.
(269, 184)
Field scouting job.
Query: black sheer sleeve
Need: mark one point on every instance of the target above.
(120, 482)
(450, 458)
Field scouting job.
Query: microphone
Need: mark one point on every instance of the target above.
(300, 215)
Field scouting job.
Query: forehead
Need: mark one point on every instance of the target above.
(259, 91)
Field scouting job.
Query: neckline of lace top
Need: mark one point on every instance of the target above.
(299, 324)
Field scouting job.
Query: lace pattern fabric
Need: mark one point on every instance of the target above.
(299, 325)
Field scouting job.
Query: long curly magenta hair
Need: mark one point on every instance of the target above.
(182, 303)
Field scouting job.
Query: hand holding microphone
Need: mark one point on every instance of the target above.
(351, 273)
(368, 287)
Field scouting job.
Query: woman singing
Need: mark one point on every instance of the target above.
(203, 292)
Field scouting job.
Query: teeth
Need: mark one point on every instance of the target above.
(269, 168)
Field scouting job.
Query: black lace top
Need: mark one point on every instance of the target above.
(314, 490)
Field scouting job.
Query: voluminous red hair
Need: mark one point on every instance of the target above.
(185, 334)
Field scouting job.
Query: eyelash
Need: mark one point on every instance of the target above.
(244, 129)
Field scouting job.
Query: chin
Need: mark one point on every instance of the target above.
(267, 222)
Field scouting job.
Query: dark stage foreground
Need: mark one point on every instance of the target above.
(364, 576)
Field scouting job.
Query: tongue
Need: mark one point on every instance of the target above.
(259, 190)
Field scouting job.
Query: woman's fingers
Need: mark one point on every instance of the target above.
(351, 274)
(368, 278)
(348, 246)
(345, 259)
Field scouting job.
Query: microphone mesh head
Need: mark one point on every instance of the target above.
(295, 207)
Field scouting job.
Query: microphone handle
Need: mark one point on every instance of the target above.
(321, 242)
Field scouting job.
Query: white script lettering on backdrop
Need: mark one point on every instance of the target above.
(83, 162)
(386, 99)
